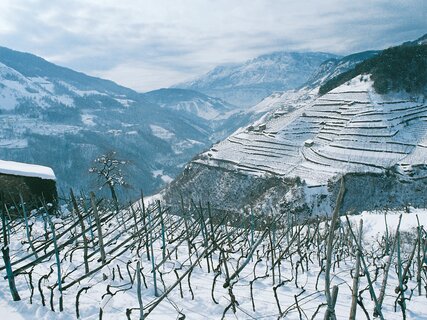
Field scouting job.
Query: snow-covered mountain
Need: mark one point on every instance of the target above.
(64, 119)
(292, 157)
(248, 83)
(336, 66)
(192, 103)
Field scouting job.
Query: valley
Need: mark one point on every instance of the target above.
(255, 166)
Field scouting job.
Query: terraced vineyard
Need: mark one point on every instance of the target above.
(349, 129)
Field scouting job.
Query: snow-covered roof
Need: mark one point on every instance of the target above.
(26, 170)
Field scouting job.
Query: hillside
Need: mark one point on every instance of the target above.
(402, 68)
(247, 83)
(292, 156)
(64, 119)
(192, 103)
(334, 67)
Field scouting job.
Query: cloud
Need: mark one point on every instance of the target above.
(165, 40)
(135, 74)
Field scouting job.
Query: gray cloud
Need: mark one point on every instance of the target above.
(156, 43)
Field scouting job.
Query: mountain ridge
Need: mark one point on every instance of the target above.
(247, 83)
(292, 157)
(31, 65)
(65, 119)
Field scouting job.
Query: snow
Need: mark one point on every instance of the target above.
(27, 170)
(247, 83)
(202, 305)
(51, 129)
(87, 119)
(161, 132)
(19, 310)
(65, 100)
(7, 101)
(15, 88)
(165, 178)
(11, 310)
(280, 101)
(201, 108)
(125, 102)
(351, 128)
(181, 146)
(115, 132)
(195, 142)
(44, 83)
(13, 143)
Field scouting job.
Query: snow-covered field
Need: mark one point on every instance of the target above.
(205, 258)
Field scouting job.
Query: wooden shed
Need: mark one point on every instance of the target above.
(35, 183)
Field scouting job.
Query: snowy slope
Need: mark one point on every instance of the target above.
(64, 119)
(263, 291)
(336, 66)
(248, 83)
(192, 103)
(293, 155)
(349, 129)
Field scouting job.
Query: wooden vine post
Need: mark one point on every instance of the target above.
(330, 311)
(138, 288)
(6, 257)
(98, 227)
(83, 230)
(153, 263)
(354, 294)
(58, 261)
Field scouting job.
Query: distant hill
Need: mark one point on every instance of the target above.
(369, 126)
(61, 118)
(400, 68)
(331, 68)
(247, 83)
(191, 102)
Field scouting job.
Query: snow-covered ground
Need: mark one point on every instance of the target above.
(350, 129)
(112, 287)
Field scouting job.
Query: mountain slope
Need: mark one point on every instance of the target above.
(32, 66)
(248, 83)
(191, 102)
(394, 69)
(334, 72)
(334, 67)
(64, 119)
(291, 158)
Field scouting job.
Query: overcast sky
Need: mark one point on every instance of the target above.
(149, 44)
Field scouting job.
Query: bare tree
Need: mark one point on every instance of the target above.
(110, 174)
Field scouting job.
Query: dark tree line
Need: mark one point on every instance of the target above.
(394, 69)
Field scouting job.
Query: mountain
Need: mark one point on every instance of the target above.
(64, 119)
(192, 103)
(246, 84)
(292, 158)
(394, 69)
(420, 41)
(345, 67)
(331, 68)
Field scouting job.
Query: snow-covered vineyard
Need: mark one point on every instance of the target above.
(349, 129)
(149, 263)
(213, 160)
